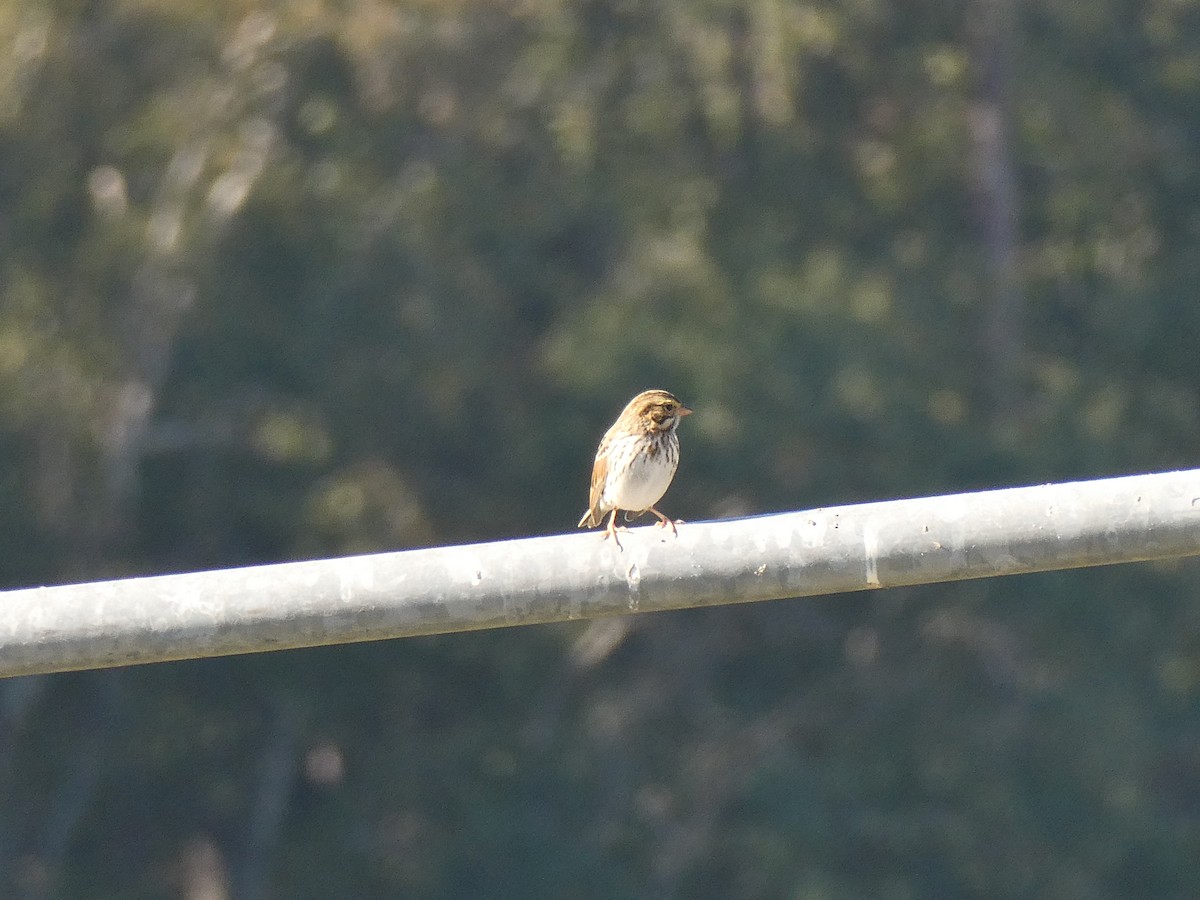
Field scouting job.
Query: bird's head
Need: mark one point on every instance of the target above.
(656, 410)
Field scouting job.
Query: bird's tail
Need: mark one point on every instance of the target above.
(589, 520)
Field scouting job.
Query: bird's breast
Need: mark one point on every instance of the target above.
(637, 479)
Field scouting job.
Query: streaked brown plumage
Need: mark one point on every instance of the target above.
(636, 461)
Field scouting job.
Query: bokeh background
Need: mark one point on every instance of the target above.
(307, 278)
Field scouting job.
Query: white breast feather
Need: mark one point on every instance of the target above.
(644, 484)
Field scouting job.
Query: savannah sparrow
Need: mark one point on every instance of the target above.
(636, 461)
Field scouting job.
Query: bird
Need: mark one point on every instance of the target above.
(636, 461)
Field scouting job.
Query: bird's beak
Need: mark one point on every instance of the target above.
(683, 411)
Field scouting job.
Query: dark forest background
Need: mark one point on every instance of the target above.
(315, 278)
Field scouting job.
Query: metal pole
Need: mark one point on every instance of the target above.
(581, 576)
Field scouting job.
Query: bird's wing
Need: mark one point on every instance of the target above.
(595, 514)
(599, 476)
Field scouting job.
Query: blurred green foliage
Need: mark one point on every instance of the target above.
(319, 278)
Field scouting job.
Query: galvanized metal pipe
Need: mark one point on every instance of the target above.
(582, 576)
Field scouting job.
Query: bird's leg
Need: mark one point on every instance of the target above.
(611, 530)
(664, 521)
